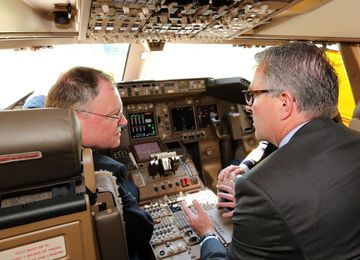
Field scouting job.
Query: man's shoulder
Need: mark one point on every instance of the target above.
(104, 162)
(99, 157)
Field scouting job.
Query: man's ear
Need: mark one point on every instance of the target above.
(287, 104)
(81, 117)
(78, 114)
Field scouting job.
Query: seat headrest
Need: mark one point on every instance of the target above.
(38, 147)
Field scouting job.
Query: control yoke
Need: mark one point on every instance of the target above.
(217, 126)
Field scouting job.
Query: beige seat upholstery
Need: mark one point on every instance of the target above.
(45, 212)
(108, 218)
(355, 120)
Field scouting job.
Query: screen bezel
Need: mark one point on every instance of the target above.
(172, 119)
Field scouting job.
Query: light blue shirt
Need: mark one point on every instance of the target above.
(287, 138)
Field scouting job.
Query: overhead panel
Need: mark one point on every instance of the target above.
(185, 21)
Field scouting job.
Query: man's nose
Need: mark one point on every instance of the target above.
(123, 121)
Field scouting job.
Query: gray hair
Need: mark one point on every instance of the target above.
(76, 87)
(304, 70)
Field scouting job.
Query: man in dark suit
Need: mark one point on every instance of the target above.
(228, 175)
(92, 95)
(301, 202)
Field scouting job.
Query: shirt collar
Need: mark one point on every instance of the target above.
(287, 138)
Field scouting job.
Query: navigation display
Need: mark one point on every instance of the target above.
(183, 119)
(142, 125)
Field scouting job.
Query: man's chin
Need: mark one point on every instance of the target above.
(115, 145)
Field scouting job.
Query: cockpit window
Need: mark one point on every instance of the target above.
(200, 60)
(37, 68)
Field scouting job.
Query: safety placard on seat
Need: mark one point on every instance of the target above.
(48, 249)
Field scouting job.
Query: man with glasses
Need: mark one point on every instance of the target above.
(301, 202)
(97, 103)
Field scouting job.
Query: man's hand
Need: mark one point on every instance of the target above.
(200, 222)
(226, 195)
(229, 174)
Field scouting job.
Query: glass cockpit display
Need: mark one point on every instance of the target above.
(183, 119)
(142, 125)
(143, 151)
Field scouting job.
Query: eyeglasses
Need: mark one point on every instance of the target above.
(250, 94)
(117, 117)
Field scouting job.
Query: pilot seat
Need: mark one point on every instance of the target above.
(53, 205)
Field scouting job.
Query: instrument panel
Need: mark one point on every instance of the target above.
(171, 137)
(168, 121)
(161, 87)
(178, 117)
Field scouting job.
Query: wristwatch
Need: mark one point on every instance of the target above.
(208, 234)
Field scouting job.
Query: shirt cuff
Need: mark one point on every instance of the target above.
(244, 167)
(208, 237)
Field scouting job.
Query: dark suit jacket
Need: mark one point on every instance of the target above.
(301, 202)
(103, 162)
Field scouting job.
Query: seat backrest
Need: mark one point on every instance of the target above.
(34, 141)
(45, 212)
(355, 120)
